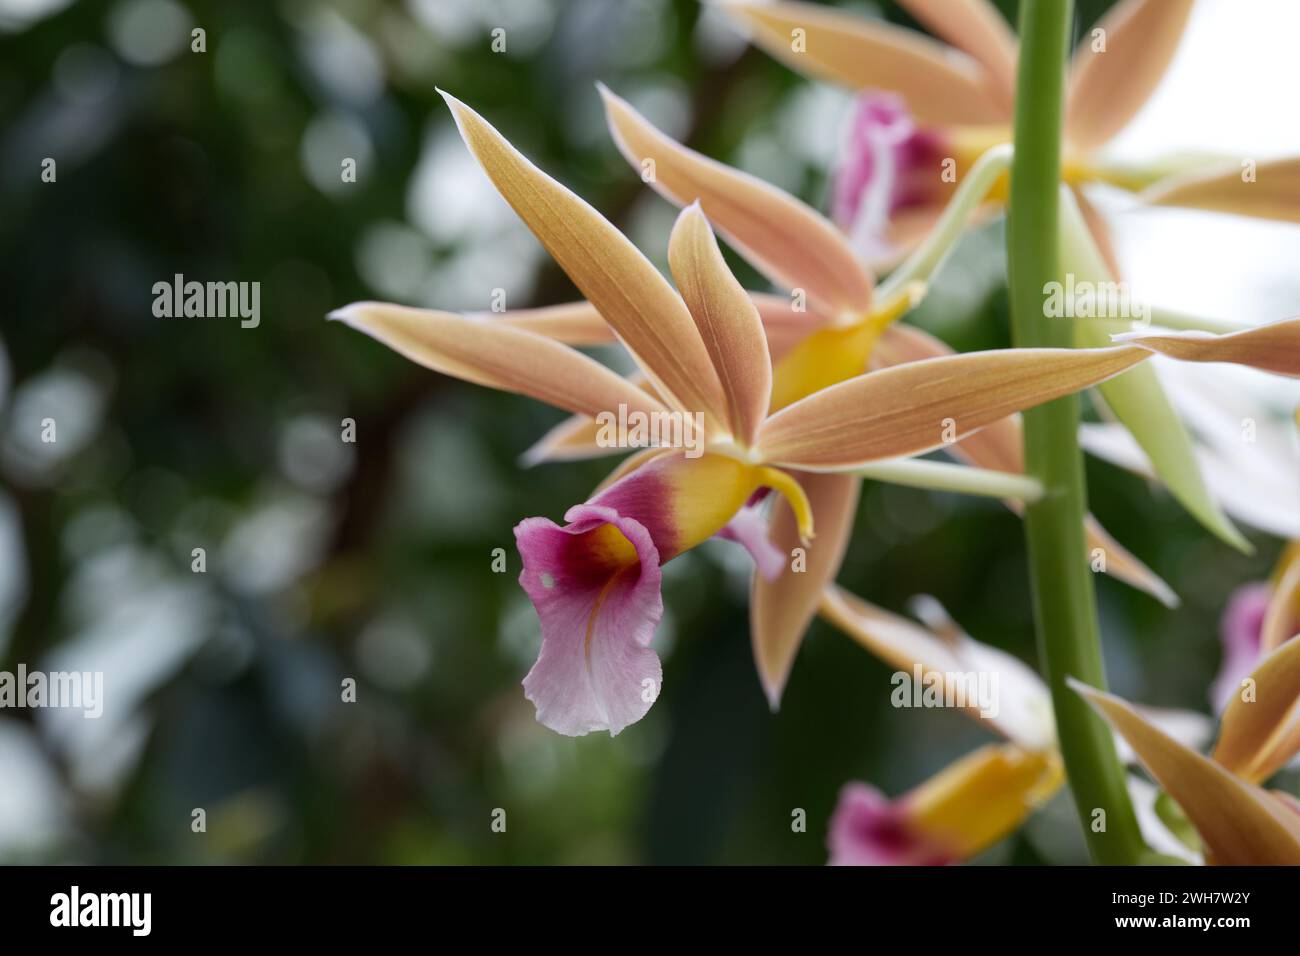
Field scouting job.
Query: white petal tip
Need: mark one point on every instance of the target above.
(458, 109)
(532, 457)
(350, 314)
(1168, 598)
(772, 692)
(1087, 691)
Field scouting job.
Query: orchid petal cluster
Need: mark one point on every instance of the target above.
(595, 581)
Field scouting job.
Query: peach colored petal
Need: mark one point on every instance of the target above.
(785, 326)
(1240, 824)
(1260, 730)
(574, 439)
(498, 356)
(788, 241)
(649, 317)
(941, 85)
(579, 323)
(1125, 566)
(913, 408)
(780, 610)
(977, 27)
(574, 323)
(1022, 709)
(728, 322)
(1106, 89)
(1271, 192)
(1282, 619)
(1271, 348)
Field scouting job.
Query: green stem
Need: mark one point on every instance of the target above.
(1065, 612)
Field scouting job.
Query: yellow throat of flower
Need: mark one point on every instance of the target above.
(839, 352)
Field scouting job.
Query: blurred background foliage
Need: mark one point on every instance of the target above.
(328, 560)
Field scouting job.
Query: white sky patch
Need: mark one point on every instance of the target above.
(1230, 91)
(1231, 86)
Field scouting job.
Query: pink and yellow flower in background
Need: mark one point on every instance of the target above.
(929, 101)
(986, 795)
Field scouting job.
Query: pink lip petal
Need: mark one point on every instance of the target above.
(595, 670)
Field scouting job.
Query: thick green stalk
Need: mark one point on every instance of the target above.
(1065, 612)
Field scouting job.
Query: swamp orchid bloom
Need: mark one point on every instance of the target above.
(1239, 822)
(986, 795)
(927, 105)
(843, 328)
(702, 352)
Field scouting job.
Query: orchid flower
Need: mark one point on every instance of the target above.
(595, 581)
(1240, 823)
(844, 330)
(986, 795)
(925, 103)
